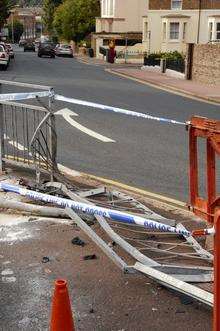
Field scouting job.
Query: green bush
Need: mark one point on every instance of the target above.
(166, 55)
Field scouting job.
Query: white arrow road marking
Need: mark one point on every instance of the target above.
(67, 113)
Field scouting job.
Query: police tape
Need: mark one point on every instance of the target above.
(24, 96)
(115, 109)
(50, 93)
(94, 210)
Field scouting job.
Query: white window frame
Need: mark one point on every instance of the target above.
(174, 39)
(212, 33)
(108, 8)
(164, 31)
(180, 2)
(184, 30)
(211, 30)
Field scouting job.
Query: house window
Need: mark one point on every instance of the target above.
(210, 31)
(164, 31)
(174, 30)
(176, 4)
(108, 8)
(184, 30)
(218, 31)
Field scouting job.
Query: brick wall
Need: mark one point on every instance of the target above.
(187, 4)
(210, 4)
(191, 4)
(206, 64)
(159, 4)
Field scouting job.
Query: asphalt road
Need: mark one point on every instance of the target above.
(146, 154)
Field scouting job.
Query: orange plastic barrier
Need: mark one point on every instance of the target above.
(207, 208)
(61, 316)
(201, 127)
(216, 320)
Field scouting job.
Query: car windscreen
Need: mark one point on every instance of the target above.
(65, 46)
(47, 45)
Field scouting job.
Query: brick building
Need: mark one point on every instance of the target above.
(171, 24)
(30, 17)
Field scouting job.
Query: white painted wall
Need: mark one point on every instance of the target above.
(127, 16)
(155, 26)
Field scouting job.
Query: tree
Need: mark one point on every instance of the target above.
(4, 11)
(49, 7)
(5, 6)
(74, 19)
(18, 30)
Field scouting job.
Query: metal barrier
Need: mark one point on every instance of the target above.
(151, 61)
(130, 54)
(176, 65)
(28, 133)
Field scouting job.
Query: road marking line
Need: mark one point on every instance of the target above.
(88, 131)
(67, 113)
(149, 194)
(15, 144)
(74, 173)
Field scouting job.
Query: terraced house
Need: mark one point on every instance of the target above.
(171, 24)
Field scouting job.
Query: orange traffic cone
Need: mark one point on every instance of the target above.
(61, 316)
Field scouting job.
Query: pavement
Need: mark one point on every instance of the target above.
(35, 251)
(145, 154)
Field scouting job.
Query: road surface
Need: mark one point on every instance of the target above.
(138, 152)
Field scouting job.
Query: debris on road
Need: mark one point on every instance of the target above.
(90, 257)
(77, 241)
(45, 259)
(157, 255)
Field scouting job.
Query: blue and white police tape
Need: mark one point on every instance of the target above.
(115, 109)
(50, 93)
(94, 210)
(24, 96)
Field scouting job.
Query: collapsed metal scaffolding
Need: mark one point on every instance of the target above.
(171, 259)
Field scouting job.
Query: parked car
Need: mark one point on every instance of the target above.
(29, 46)
(5, 48)
(37, 42)
(47, 49)
(4, 57)
(63, 50)
(22, 42)
(10, 50)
